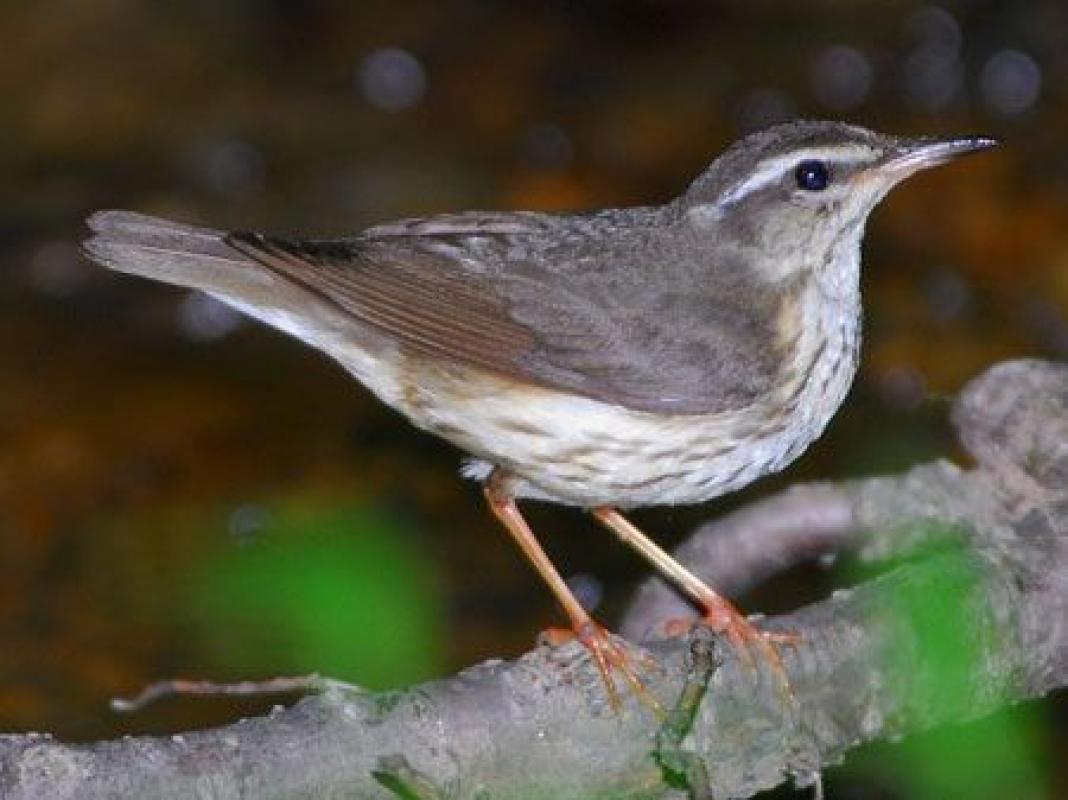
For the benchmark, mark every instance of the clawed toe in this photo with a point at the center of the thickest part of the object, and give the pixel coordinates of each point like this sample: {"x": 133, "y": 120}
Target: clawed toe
{"x": 747, "y": 638}
{"x": 611, "y": 655}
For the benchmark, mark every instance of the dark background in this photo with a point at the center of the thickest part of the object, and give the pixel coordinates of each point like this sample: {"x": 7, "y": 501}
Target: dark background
{"x": 186, "y": 493}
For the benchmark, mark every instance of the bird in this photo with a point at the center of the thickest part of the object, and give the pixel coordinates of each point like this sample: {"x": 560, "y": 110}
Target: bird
{"x": 607, "y": 360}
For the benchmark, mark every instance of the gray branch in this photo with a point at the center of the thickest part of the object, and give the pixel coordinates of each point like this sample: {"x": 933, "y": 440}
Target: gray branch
{"x": 986, "y": 545}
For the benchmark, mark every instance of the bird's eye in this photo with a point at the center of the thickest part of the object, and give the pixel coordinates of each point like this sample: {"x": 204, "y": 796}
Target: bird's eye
{"x": 812, "y": 176}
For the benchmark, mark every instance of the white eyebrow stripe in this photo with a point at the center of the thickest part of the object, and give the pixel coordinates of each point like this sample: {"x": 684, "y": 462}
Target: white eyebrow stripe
{"x": 771, "y": 169}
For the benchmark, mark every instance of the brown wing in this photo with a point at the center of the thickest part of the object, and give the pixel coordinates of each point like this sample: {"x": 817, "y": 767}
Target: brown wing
{"x": 578, "y": 332}
{"x": 419, "y": 301}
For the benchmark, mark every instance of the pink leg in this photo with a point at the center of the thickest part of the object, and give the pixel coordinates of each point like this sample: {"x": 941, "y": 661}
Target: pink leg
{"x": 606, "y": 652}
{"x": 719, "y": 613}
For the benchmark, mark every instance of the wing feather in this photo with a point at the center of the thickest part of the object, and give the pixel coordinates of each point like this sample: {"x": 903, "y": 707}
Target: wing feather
{"x": 419, "y": 301}
{"x": 525, "y": 320}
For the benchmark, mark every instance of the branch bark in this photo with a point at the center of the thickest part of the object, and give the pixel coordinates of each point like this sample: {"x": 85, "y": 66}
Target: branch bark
{"x": 991, "y": 539}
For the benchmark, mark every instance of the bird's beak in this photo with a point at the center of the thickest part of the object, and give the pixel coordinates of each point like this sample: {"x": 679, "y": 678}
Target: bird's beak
{"x": 912, "y": 155}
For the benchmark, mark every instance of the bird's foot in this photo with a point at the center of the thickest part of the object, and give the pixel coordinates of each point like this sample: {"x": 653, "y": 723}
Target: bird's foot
{"x": 746, "y": 639}
{"x": 611, "y": 654}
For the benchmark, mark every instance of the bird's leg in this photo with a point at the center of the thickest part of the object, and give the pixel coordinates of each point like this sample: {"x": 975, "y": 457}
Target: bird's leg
{"x": 719, "y": 613}
{"x": 606, "y": 652}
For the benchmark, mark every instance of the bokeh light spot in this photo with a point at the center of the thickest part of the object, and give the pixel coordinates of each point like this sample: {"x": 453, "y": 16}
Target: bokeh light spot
{"x": 933, "y": 76}
{"x": 935, "y": 25}
{"x": 391, "y": 79}
{"x": 902, "y": 387}
{"x": 587, "y": 588}
{"x": 1010, "y": 82}
{"x": 205, "y": 319}
{"x": 841, "y": 77}
{"x": 228, "y": 167}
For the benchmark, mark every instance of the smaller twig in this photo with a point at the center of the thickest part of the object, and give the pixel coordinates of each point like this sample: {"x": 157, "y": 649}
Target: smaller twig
{"x": 308, "y": 684}
{"x": 679, "y": 765}
{"x": 396, "y": 774}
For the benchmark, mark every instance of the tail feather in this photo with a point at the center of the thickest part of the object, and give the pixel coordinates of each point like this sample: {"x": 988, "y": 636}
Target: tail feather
{"x": 198, "y": 258}
{"x": 201, "y": 258}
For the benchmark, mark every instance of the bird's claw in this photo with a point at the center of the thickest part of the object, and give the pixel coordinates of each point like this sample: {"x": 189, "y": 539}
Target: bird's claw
{"x": 610, "y": 654}
{"x": 746, "y": 639}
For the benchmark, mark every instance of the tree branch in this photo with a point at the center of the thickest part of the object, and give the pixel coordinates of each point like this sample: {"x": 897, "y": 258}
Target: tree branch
{"x": 993, "y": 540}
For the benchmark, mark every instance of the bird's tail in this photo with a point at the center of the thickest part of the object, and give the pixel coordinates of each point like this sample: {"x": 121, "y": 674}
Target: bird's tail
{"x": 202, "y": 258}
{"x": 198, "y": 258}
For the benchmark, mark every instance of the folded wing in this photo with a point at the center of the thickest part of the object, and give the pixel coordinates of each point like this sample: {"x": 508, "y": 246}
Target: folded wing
{"x": 675, "y": 352}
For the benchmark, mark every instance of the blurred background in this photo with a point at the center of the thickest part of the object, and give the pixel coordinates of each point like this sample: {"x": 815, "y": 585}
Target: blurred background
{"x": 187, "y": 493}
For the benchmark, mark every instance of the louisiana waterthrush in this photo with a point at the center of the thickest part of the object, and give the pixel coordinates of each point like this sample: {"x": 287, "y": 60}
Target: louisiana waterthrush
{"x": 626, "y": 357}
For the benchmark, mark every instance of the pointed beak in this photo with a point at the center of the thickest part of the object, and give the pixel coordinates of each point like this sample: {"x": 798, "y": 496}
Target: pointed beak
{"x": 912, "y": 155}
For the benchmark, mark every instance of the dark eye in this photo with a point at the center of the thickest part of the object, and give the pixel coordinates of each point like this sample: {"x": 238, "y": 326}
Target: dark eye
{"x": 812, "y": 176}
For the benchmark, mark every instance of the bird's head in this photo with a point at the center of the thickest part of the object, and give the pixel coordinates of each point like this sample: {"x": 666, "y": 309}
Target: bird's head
{"x": 797, "y": 193}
